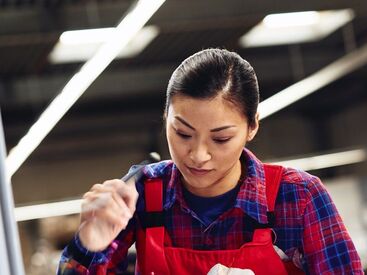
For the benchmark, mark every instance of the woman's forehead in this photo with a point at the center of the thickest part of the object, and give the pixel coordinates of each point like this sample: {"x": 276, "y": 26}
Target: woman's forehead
{"x": 214, "y": 111}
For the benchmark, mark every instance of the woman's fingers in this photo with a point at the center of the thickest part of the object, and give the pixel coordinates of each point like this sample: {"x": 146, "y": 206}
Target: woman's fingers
{"x": 109, "y": 200}
{"x": 106, "y": 210}
{"x": 127, "y": 192}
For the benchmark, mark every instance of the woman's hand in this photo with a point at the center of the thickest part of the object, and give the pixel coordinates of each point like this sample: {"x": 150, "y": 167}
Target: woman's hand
{"x": 220, "y": 269}
{"x": 106, "y": 210}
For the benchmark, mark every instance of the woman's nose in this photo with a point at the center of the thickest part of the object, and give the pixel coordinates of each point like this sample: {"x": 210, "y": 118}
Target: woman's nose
{"x": 200, "y": 155}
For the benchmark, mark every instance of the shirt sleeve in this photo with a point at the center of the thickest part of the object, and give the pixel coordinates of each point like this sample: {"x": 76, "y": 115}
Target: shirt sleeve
{"x": 328, "y": 248}
{"x": 77, "y": 260}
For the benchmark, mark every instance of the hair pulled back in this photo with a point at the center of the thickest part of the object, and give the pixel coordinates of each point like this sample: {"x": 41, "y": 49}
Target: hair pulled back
{"x": 212, "y": 72}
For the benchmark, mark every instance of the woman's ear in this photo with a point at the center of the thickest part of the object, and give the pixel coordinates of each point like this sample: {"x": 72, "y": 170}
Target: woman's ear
{"x": 252, "y": 131}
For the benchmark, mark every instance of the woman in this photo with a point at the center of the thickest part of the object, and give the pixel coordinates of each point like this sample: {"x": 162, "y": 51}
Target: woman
{"x": 214, "y": 202}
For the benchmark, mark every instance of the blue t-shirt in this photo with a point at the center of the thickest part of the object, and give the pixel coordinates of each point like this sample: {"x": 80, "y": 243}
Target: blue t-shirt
{"x": 210, "y": 208}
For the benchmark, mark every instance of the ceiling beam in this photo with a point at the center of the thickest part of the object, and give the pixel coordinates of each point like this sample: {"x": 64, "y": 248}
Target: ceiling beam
{"x": 71, "y": 15}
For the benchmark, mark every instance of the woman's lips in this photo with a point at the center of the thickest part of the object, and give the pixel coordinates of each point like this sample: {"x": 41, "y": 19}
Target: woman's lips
{"x": 198, "y": 172}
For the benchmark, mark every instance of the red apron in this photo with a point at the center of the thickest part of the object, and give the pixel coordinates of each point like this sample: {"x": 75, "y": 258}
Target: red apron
{"x": 258, "y": 255}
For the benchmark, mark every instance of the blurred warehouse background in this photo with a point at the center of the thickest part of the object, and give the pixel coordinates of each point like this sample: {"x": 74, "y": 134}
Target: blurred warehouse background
{"x": 118, "y": 120}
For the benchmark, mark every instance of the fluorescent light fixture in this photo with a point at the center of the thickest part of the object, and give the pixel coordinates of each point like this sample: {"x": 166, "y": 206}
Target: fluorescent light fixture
{"x": 130, "y": 25}
{"x": 296, "y": 27}
{"x": 326, "y": 160}
{"x": 89, "y": 36}
{"x": 81, "y": 45}
{"x": 285, "y": 20}
{"x": 314, "y": 82}
{"x": 46, "y": 210}
{"x": 39, "y": 211}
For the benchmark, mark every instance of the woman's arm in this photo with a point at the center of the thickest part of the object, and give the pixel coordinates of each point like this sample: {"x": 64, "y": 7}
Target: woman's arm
{"x": 77, "y": 260}
{"x": 327, "y": 245}
{"x": 106, "y": 231}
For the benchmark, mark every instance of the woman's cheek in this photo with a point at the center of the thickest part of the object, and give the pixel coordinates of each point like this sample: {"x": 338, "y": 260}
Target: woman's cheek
{"x": 178, "y": 146}
{"x": 229, "y": 153}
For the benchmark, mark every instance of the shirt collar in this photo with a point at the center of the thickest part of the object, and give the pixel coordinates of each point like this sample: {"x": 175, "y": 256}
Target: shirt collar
{"x": 251, "y": 198}
{"x": 252, "y": 195}
{"x": 170, "y": 175}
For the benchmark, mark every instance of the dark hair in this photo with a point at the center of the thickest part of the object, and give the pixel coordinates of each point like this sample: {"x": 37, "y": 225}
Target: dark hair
{"x": 211, "y": 72}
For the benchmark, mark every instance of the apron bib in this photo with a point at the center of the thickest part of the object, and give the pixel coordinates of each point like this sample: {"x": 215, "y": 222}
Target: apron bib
{"x": 258, "y": 255}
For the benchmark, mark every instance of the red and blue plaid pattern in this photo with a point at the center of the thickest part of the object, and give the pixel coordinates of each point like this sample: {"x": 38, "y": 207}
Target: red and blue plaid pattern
{"x": 307, "y": 224}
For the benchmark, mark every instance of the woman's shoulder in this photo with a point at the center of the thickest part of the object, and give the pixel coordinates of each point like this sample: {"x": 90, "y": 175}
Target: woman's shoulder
{"x": 293, "y": 177}
{"x": 298, "y": 188}
{"x": 159, "y": 169}
{"x": 297, "y": 176}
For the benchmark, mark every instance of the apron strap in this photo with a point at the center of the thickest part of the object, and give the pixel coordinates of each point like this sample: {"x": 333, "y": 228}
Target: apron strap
{"x": 273, "y": 176}
{"x": 154, "y": 260}
{"x": 153, "y": 195}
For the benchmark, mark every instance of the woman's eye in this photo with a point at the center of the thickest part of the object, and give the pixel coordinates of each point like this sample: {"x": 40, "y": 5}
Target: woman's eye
{"x": 221, "y": 140}
{"x": 184, "y": 136}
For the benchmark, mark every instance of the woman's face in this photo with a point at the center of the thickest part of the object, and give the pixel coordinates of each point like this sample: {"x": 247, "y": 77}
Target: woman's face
{"x": 206, "y": 138}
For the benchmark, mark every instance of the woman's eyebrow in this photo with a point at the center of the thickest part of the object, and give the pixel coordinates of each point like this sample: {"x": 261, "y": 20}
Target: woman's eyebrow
{"x": 222, "y": 128}
{"x": 184, "y": 122}
{"x": 212, "y": 130}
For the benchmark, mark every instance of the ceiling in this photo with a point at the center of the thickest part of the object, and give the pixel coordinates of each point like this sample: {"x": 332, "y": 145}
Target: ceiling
{"x": 121, "y": 111}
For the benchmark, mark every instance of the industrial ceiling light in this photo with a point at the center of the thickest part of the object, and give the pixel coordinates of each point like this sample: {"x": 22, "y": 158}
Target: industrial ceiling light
{"x": 332, "y": 72}
{"x": 81, "y": 45}
{"x": 46, "y": 210}
{"x": 130, "y": 25}
{"x": 326, "y": 160}
{"x": 291, "y": 19}
{"x": 296, "y": 27}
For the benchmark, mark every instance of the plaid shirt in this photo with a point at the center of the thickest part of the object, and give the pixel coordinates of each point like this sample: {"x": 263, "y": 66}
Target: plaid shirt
{"x": 308, "y": 227}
